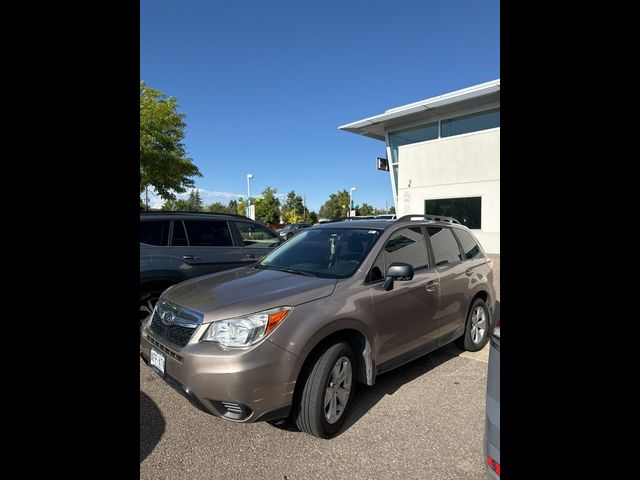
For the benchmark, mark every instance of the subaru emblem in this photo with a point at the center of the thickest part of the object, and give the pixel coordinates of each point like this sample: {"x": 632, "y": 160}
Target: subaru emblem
{"x": 167, "y": 317}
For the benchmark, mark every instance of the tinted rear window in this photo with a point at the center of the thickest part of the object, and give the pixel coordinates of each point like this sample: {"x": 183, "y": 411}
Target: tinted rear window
{"x": 445, "y": 247}
{"x": 179, "y": 238}
{"x": 154, "y": 232}
{"x": 254, "y": 235}
{"x": 470, "y": 247}
{"x": 208, "y": 233}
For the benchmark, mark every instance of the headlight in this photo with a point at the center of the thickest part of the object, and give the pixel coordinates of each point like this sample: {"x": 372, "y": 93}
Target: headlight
{"x": 245, "y": 330}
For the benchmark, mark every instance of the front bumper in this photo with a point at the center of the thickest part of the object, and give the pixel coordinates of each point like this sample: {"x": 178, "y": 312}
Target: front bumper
{"x": 258, "y": 380}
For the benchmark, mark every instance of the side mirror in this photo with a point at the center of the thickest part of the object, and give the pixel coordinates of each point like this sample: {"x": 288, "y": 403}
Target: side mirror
{"x": 397, "y": 271}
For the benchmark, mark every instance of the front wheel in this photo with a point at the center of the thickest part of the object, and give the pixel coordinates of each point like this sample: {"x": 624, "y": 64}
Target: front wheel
{"x": 148, "y": 299}
{"x": 328, "y": 392}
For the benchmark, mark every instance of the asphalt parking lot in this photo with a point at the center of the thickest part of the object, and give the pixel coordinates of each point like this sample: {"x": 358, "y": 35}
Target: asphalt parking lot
{"x": 424, "y": 420}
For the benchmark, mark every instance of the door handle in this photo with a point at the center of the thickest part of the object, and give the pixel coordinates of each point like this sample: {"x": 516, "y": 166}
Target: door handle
{"x": 190, "y": 257}
{"x": 432, "y": 285}
{"x": 251, "y": 255}
{"x": 468, "y": 272}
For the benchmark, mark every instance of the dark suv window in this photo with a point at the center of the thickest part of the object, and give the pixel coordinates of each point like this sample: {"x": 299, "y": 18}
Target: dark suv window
{"x": 179, "y": 237}
{"x": 445, "y": 247}
{"x": 208, "y": 233}
{"x": 406, "y": 245}
{"x": 154, "y": 232}
{"x": 469, "y": 246}
{"x": 254, "y": 235}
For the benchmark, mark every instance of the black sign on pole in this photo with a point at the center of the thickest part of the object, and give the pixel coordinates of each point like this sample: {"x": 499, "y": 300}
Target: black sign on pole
{"x": 382, "y": 164}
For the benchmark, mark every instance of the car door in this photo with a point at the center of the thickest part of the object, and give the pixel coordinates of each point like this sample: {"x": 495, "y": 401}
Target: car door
{"x": 405, "y": 317}
{"x": 210, "y": 246}
{"x": 154, "y": 241}
{"x": 453, "y": 282}
{"x": 257, "y": 240}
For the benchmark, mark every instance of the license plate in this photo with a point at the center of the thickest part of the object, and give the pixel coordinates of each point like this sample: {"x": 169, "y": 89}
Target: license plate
{"x": 157, "y": 361}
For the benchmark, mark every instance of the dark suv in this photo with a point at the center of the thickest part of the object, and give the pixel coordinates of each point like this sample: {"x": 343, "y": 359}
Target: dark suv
{"x": 339, "y": 303}
{"x": 176, "y": 246}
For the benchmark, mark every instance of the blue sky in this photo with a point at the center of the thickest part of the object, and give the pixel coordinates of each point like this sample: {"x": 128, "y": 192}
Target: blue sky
{"x": 265, "y": 84}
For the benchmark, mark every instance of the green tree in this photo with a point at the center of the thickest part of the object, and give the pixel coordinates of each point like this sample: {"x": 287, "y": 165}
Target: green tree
{"x": 313, "y": 217}
{"x": 293, "y": 210}
{"x": 170, "y": 205}
{"x": 268, "y": 207}
{"x": 233, "y": 206}
{"x": 194, "y": 202}
{"x": 365, "y": 210}
{"x": 337, "y": 205}
{"x": 241, "y": 204}
{"x": 164, "y": 165}
{"x": 218, "y": 207}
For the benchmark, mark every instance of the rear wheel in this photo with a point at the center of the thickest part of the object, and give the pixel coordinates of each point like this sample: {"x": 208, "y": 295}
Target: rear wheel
{"x": 328, "y": 392}
{"x": 476, "y": 332}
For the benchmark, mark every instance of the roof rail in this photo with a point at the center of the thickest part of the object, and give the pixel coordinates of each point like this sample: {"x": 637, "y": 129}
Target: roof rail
{"x": 177, "y": 212}
{"x": 435, "y": 218}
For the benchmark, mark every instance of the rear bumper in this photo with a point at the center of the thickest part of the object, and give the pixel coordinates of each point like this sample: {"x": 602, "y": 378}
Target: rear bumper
{"x": 248, "y": 385}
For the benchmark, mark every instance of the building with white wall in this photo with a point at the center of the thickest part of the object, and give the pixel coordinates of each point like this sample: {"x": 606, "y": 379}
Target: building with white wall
{"x": 444, "y": 157}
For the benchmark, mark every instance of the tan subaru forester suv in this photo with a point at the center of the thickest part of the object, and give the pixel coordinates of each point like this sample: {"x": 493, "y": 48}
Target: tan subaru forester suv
{"x": 291, "y": 336}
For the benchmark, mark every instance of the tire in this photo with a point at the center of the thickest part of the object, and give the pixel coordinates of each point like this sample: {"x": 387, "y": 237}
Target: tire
{"x": 475, "y": 336}
{"x": 289, "y": 235}
{"x": 148, "y": 299}
{"x": 311, "y": 416}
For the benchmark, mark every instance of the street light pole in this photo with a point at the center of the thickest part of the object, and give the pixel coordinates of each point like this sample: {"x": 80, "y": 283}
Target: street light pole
{"x": 249, "y": 177}
{"x": 351, "y": 190}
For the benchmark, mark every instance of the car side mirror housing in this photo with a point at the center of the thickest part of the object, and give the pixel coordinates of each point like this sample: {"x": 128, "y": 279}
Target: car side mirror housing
{"x": 397, "y": 271}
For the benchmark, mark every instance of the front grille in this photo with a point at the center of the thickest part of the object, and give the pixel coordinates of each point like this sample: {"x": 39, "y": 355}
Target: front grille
{"x": 172, "y": 333}
{"x": 182, "y": 326}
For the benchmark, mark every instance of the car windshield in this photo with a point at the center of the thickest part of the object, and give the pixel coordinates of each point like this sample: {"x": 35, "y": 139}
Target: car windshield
{"x": 323, "y": 252}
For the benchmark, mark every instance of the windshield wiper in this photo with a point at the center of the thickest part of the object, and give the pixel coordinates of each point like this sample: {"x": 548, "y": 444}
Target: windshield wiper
{"x": 286, "y": 269}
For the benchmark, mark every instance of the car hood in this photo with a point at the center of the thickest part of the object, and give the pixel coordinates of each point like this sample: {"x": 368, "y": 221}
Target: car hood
{"x": 247, "y": 290}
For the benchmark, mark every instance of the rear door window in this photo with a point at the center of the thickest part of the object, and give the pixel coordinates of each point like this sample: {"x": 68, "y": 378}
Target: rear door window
{"x": 444, "y": 245}
{"x": 470, "y": 247}
{"x": 179, "y": 237}
{"x": 208, "y": 233}
{"x": 154, "y": 232}
{"x": 256, "y": 236}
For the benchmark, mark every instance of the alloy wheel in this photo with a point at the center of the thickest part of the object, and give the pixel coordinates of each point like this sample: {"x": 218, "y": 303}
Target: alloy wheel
{"x": 338, "y": 390}
{"x": 478, "y": 325}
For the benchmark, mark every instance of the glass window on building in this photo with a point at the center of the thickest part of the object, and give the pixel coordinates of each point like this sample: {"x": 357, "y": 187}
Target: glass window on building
{"x": 414, "y": 135}
{"x": 470, "y": 123}
{"x": 468, "y": 210}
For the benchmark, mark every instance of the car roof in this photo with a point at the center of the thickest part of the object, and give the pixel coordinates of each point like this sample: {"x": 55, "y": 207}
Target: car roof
{"x": 382, "y": 224}
{"x": 207, "y": 215}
